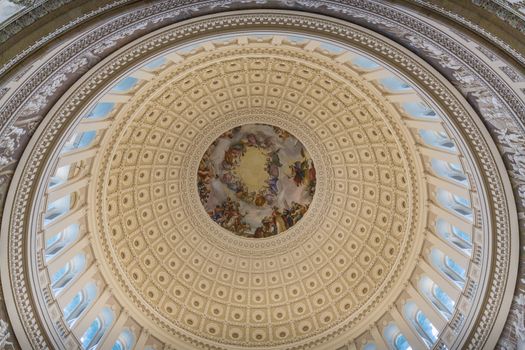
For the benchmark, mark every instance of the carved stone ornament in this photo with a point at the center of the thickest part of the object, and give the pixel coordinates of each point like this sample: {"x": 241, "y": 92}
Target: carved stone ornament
{"x": 498, "y": 219}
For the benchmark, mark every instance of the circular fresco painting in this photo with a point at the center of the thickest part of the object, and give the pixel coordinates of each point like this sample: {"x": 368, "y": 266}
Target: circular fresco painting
{"x": 256, "y": 180}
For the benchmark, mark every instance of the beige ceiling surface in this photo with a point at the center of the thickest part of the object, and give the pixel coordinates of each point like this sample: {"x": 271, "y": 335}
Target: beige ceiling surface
{"x": 332, "y": 269}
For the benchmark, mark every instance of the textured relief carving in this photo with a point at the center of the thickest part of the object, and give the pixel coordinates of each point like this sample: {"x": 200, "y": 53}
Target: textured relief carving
{"x": 4, "y": 336}
{"x": 247, "y": 299}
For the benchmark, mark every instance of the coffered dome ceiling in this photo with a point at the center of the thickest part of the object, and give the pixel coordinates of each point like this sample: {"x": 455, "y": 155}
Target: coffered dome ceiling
{"x": 332, "y": 268}
{"x": 265, "y": 187}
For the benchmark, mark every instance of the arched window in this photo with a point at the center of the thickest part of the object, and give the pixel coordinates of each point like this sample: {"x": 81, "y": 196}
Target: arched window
{"x": 450, "y": 171}
{"x": 56, "y": 243}
{"x": 395, "y": 339}
{"x": 59, "y": 207}
{"x": 80, "y": 303}
{"x": 449, "y": 267}
{"x": 459, "y": 238}
{"x": 401, "y": 343}
{"x": 97, "y": 329}
{"x": 421, "y": 324}
{"x": 101, "y": 110}
{"x": 395, "y": 84}
{"x": 68, "y": 272}
{"x": 125, "y": 85}
{"x": 364, "y": 63}
{"x": 156, "y": 64}
{"x": 437, "y": 297}
{"x": 79, "y": 141}
{"x": 61, "y": 176}
{"x": 438, "y": 139}
{"x": 455, "y": 203}
{"x": 419, "y": 110}
{"x": 125, "y": 341}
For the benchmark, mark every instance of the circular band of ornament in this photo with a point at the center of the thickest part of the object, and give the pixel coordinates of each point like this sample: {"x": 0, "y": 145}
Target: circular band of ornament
{"x": 50, "y": 129}
{"x": 310, "y": 223}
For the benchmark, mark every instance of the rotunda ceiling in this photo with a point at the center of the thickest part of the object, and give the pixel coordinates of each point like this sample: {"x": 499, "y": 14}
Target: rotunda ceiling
{"x": 260, "y": 189}
{"x": 258, "y": 103}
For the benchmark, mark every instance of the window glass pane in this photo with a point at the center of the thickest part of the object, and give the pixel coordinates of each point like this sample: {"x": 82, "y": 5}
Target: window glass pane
{"x": 56, "y": 243}
{"x": 395, "y": 84}
{"x": 77, "y": 299}
{"x": 60, "y": 273}
{"x": 125, "y": 84}
{"x": 363, "y": 62}
{"x": 156, "y": 63}
{"x": 447, "y": 170}
{"x": 57, "y": 208}
{"x": 427, "y": 327}
{"x": 443, "y": 298}
{"x": 331, "y": 48}
{"x": 455, "y": 267}
{"x": 437, "y": 139}
{"x": 61, "y": 176}
{"x": 53, "y": 239}
{"x": 90, "y": 333}
{"x": 100, "y": 110}
{"x": 118, "y": 346}
{"x": 419, "y": 110}
{"x": 461, "y": 234}
{"x": 86, "y": 139}
{"x": 401, "y": 343}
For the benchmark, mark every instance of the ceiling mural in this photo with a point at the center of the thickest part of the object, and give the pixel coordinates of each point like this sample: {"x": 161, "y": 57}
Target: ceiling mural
{"x": 256, "y": 180}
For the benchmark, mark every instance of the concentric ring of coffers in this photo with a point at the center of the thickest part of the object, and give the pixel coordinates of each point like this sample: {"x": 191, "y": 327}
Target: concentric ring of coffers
{"x": 236, "y": 299}
{"x": 326, "y": 280}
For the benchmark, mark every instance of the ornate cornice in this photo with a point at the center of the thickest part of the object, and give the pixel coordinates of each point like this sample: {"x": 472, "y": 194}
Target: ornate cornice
{"x": 477, "y": 66}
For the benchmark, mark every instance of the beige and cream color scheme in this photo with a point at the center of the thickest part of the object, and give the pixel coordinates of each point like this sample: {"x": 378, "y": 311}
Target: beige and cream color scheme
{"x": 333, "y": 268}
{"x": 407, "y": 233}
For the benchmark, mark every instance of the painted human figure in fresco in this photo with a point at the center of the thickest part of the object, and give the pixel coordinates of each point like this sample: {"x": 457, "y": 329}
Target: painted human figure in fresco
{"x": 299, "y": 171}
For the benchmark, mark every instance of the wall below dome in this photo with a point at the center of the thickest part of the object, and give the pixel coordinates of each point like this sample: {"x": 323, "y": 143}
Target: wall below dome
{"x": 501, "y": 108}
